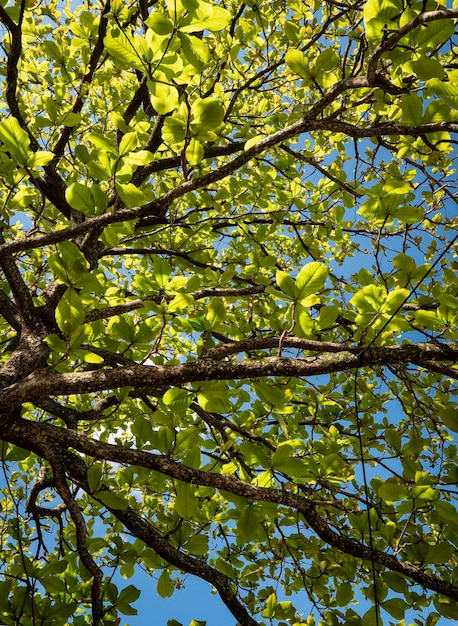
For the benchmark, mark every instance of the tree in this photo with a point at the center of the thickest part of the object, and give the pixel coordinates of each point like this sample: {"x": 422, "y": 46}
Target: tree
{"x": 228, "y": 308}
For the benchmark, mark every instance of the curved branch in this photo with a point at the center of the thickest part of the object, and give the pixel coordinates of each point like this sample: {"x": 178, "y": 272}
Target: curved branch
{"x": 78, "y": 103}
{"x": 39, "y": 433}
{"x": 80, "y": 532}
{"x": 152, "y": 538}
{"x": 13, "y": 57}
{"x": 389, "y": 42}
{"x": 143, "y": 530}
{"x": 306, "y": 124}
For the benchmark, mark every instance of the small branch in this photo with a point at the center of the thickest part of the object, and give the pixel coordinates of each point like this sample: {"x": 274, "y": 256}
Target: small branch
{"x": 80, "y": 534}
{"x": 44, "y": 482}
{"x": 78, "y": 103}
{"x": 138, "y": 303}
{"x": 220, "y": 422}
{"x": 440, "y": 368}
{"x": 311, "y": 161}
{"x": 259, "y": 343}
{"x": 14, "y": 54}
{"x": 389, "y": 42}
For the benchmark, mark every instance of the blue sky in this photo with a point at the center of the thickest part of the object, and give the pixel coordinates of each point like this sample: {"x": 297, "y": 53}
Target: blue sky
{"x": 193, "y": 601}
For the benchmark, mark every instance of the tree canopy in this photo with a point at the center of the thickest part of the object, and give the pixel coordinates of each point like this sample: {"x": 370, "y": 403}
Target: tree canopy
{"x": 228, "y": 309}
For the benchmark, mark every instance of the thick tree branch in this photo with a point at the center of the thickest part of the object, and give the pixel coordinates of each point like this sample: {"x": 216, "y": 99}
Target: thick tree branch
{"x": 24, "y": 302}
{"x": 44, "y": 383}
{"x": 29, "y": 355}
{"x": 9, "y": 311}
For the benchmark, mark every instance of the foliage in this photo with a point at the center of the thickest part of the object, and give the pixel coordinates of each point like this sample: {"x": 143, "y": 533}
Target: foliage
{"x": 228, "y": 308}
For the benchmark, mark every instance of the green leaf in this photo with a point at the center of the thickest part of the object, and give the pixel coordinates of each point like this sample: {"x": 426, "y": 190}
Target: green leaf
{"x": 80, "y": 197}
{"x": 15, "y": 139}
{"x": 141, "y": 157}
{"x": 194, "y": 152}
{"x": 270, "y": 606}
{"x": 102, "y": 143}
{"x": 298, "y": 63}
{"x": 446, "y": 607}
{"x": 207, "y": 114}
{"x": 165, "y": 586}
{"x": 164, "y": 97}
{"x": 270, "y": 393}
{"x": 130, "y": 194}
{"x": 161, "y": 24}
{"x": 378, "y": 16}
{"x": 344, "y": 594}
{"x": 128, "y": 143}
{"x": 442, "y": 87}
{"x": 412, "y": 109}
{"x": 128, "y": 595}
{"x": 328, "y": 316}
{"x": 393, "y": 492}
{"x": 111, "y": 500}
{"x": 215, "y": 312}
{"x": 39, "y": 158}
{"x": 253, "y": 141}
{"x": 71, "y": 119}
{"x": 326, "y": 61}
{"x": 207, "y": 17}
{"x": 123, "y": 49}
{"x": 433, "y": 33}
{"x": 410, "y": 214}
{"x": 70, "y": 311}
{"x": 215, "y": 399}
{"x": 186, "y": 502}
{"x": 180, "y": 302}
{"x": 94, "y": 476}
{"x": 369, "y": 299}
{"x": 197, "y": 545}
{"x": 446, "y": 511}
{"x": 174, "y": 131}
{"x": 177, "y": 399}
{"x": 195, "y": 50}
{"x": 286, "y": 284}
{"x": 247, "y": 524}
{"x": 396, "y": 607}
{"x": 311, "y": 279}
{"x": 425, "y": 68}
{"x": 162, "y": 271}
{"x": 394, "y": 301}
{"x": 429, "y": 320}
